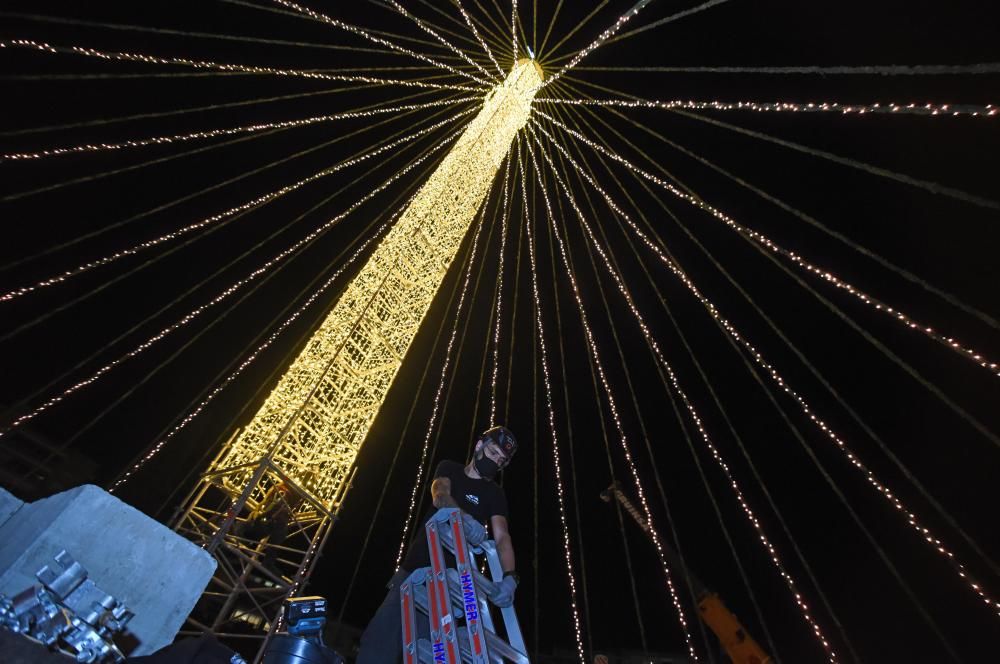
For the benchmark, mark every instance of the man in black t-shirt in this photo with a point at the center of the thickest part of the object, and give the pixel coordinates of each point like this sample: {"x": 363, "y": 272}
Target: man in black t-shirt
{"x": 472, "y": 489}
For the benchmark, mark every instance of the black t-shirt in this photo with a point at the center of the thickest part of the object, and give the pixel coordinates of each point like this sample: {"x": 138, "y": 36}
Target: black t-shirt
{"x": 479, "y": 498}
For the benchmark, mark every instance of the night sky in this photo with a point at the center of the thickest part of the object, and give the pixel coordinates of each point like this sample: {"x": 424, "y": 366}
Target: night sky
{"x": 894, "y": 600}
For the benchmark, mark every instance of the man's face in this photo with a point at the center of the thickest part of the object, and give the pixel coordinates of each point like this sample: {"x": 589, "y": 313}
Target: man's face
{"x": 493, "y": 452}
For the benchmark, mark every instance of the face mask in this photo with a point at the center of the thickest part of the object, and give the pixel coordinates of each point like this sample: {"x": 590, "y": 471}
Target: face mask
{"x": 486, "y": 467}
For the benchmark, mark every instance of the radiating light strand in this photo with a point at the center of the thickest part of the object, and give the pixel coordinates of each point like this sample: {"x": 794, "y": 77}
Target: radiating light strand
{"x": 499, "y": 298}
{"x": 551, "y": 414}
{"x": 479, "y": 38}
{"x": 323, "y": 18}
{"x": 433, "y": 33}
{"x": 911, "y": 108}
{"x": 228, "y": 131}
{"x": 762, "y": 240}
{"x": 595, "y": 355}
{"x": 604, "y": 36}
{"x": 232, "y": 288}
{"x": 806, "y": 408}
{"x": 695, "y": 418}
{"x": 261, "y": 200}
{"x": 220, "y": 66}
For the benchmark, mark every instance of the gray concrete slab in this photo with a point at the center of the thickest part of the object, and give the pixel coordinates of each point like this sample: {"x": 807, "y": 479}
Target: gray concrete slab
{"x": 158, "y": 574}
{"x": 9, "y": 503}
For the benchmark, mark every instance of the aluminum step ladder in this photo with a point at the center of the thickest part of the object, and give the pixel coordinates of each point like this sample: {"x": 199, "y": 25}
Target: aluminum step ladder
{"x": 454, "y": 602}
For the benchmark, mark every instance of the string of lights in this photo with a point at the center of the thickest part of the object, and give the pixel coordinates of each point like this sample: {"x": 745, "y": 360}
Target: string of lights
{"x": 499, "y": 307}
{"x": 551, "y": 414}
{"x": 604, "y": 36}
{"x": 772, "y": 551}
{"x": 225, "y": 67}
{"x": 513, "y": 29}
{"x": 479, "y": 38}
{"x": 432, "y": 420}
{"x": 863, "y": 70}
{"x": 323, "y": 18}
{"x": 232, "y": 288}
{"x": 248, "y": 205}
{"x": 987, "y": 110}
{"x": 877, "y": 304}
{"x": 806, "y": 408}
{"x": 228, "y": 131}
{"x": 595, "y": 356}
{"x": 429, "y": 30}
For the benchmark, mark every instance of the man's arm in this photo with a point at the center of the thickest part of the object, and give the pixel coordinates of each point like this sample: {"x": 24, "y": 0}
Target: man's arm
{"x": 505, "y": 548}
{"x": 441, "y": 493}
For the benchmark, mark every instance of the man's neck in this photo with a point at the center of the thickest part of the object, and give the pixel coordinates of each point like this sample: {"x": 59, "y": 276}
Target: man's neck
{"x": 470, "y": 471}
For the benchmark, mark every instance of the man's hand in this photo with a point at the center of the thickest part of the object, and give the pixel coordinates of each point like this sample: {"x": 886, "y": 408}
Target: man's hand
{"x": 504, "y": 594}
{"x": 475, "y": 532}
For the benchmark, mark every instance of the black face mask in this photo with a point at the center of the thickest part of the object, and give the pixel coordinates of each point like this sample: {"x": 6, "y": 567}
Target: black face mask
{"x": 485, "y": 466}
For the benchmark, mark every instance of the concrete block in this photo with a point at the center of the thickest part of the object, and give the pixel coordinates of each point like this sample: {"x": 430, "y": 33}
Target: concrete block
{"x": 157, "y": 573}
{"x": 9, "y": 504}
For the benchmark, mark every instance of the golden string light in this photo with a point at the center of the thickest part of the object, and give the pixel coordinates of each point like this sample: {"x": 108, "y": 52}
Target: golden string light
{"x": 220, "y": 66}
{"x": 552, "y": 418}
{"x": 496, "y": 331}
{"x": 911, "y": 518}
{"x": 981, "y": 110}
{"x": 323, "y": 18}
{"x": 155, "y": 449}
{"x": 604, "y": 36}
{"x": 433, "y": 33}
{"x": 228, "y": 131}
{"x": 908, "y": 321}
{"x": 595, "y": 355}
{"x": 232, "y": 288}
{"x": 475, "y": 32}
{"x": 654, "y": 346}
{"x": 261, "y": 200}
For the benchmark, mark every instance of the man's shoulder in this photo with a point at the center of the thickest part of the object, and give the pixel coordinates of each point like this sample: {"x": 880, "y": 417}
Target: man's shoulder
{"x": 448, "y": 468}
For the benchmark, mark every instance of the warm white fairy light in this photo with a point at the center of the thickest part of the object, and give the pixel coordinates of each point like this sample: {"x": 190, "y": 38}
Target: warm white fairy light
{"x": 232, "y": 288}
{"x": 261, "y": 200}
{"x": 155, "y": 449}
{"x": 433, "y": 33}
{"x": 603, "y": 37}
{"x": 482, "y": 42}
{"x": 911, "y": 518}
{"x": 595, "y": 355}
{"x": 552, "y": 417}
{"x": 691, "y": 411}
{"x": 323, "y": 18}
{"x": 429, "y": 429}
{"x": 496, "y": 331}
{"x": 513, "y": 28}
{"x": 981, "y": 110}
{"x": 760, "y": 239}
{"x": 222, "y": 66}
{"x": 229, "y": 131}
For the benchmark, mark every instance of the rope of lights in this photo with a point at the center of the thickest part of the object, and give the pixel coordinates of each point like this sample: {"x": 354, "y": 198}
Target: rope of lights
{"x": 985, "y": 110}
{"x": 875, "y": 303}
{"x": 228, "y": 131}
{"x": 323, "y": 18}
{"x": 592, "y": 346}
{"x": 260, "y": 200}
{"x": 479, "y": 38}
{"x": 499, "y": 298}
{"x": 447, "y": 44}
{"x": 220, "y": 297}
{"x": 551, "y": 416}
{"x": 603, "y": 37}
{"x": 870, "y": 477}
{"x": 228, "y": 67}
{"x": 772, "y": 551}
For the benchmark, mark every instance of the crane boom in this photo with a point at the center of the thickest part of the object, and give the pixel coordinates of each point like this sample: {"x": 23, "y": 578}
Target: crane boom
{"x": 738, "y": 644}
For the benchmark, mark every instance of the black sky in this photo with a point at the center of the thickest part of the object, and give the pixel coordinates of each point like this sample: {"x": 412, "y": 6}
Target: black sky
{"x": 950, "y": 243}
